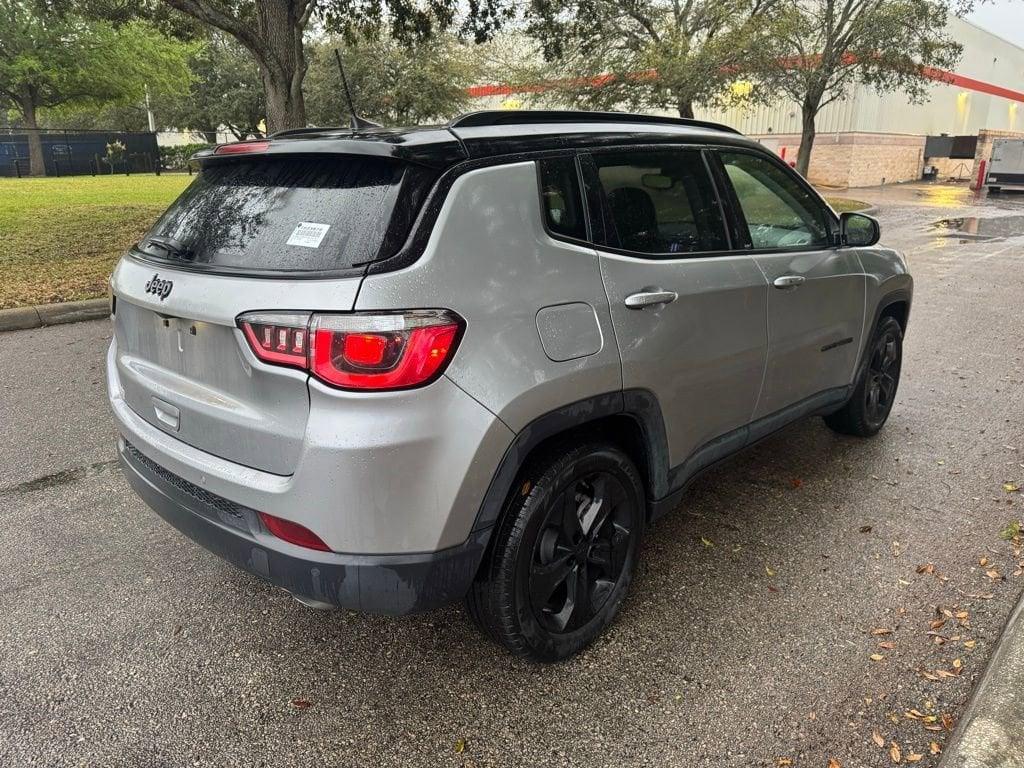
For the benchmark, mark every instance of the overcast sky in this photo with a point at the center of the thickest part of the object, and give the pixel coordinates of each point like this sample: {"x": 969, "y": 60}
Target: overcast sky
{"x": 1002, "y": 17}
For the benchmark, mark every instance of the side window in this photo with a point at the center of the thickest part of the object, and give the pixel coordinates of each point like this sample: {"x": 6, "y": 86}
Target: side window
{"x": 560, "y": 197}
{"x": 780, "y": 213}
{"x": 660, "y": 202}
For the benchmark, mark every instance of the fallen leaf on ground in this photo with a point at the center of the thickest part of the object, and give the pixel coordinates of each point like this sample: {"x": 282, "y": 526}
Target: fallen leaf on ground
{"x": 877, "y": 738}
{"x": 894, "y": 752}
{"x": 914, "y": 757}
{"x": 926, "y": 568}
{"x": 877, "y": 657}
{"x": 983, "y": 562}
{"x": 707, "y": 542}
{"x": 969, "y": 644}
{"x": 784, "y": 761}
{"x": 947, "y": 721}
{"x": 993, "y": 574}
{"x": 934, "y": 748}
{"x": 833, "y": 763}
{"x": 957, "y": 664}
{"x": 301, "y": 703}
{"x": 877, "y": 631}
{"x": 865, "y": 529}
{"x": 460, "y": 746}
{"x": 937, "y": 624}
{"x": 1011, "y": 488}
{"x": 768, "y": 570}
{"x": 887, "y": 646}
{"x": 796, "y": 482}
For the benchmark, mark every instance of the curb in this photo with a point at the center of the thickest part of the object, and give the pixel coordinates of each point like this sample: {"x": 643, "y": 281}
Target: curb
{"x": 987, "y": 735}
{"x": 23, "y": 318}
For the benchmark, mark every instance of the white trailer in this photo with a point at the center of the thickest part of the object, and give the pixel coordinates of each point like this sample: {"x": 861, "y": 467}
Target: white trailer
{"x": 1006, "y": 168}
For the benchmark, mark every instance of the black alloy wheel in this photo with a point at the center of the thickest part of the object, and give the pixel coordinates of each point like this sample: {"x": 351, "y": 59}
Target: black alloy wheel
{"x": 581, "y": 552}
{"x": 564, "y": 553}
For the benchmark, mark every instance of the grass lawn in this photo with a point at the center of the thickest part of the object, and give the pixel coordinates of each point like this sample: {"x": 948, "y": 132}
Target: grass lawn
{"x": 60, "y": 237}
{"x": 841, "y": 204}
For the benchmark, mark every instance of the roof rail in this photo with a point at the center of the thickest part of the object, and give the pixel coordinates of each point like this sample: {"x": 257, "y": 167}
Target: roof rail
{"x": 534, "y": 116}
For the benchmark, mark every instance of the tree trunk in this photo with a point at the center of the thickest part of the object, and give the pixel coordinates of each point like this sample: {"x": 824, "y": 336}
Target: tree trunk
{"x": 282, "y": 63}
{"x": 809, "y": 112}
{"x": 36, "y": 160}
{"x": 275, "y": 41}
{"x": 685, "y": 107}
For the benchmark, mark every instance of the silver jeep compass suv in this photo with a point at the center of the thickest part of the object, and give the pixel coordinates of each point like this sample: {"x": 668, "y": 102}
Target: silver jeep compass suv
{"x": 392, "y": 369}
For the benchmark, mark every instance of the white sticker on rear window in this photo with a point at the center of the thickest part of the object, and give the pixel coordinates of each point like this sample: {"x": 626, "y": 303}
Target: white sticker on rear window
{"x": 308, "y": 234}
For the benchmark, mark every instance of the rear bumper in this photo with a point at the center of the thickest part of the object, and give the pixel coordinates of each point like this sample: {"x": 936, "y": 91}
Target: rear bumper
{"x": 386, "y": 584}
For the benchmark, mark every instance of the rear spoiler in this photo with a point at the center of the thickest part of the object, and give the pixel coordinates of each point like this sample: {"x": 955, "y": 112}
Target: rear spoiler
{"x": 437, "y": 149}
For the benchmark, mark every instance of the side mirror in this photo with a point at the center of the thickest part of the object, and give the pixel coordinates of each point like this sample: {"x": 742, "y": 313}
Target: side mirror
{"x": 858, "y": 230}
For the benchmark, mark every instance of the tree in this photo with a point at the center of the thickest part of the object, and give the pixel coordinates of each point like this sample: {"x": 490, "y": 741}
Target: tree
{"x": 226, "y": 91}
{"x": 648, "y": 54}
{"x": 273, "y": 31}
{"x": 821, "y": 48}
{"x": 392, "y": 83}
{"x": 52, "y": 60}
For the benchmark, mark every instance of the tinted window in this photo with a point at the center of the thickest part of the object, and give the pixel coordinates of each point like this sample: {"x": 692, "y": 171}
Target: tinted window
{"x": 294, "y": 213}
{"x": 780, "y": 212}
{"x": 560, "y": 197}
{"x": 660, "y": 202}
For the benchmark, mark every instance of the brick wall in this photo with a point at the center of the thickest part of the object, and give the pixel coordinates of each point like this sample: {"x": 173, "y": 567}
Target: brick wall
{"x": 950, "y": 168}
{"x": 855, "y": 159}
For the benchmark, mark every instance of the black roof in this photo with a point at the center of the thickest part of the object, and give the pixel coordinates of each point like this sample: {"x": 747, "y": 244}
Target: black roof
{"x": 495, "y": 133}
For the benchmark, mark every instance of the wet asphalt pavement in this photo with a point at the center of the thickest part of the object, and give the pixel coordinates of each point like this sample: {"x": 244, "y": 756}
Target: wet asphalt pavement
{"x": 747, "y": 639}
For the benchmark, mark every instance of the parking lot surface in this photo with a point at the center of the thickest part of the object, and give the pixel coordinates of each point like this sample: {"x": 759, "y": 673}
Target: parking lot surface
{"x": 781, "y": 613}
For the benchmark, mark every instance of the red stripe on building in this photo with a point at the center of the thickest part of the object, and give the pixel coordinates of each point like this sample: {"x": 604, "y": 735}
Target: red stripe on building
{"x": 939, "y": 75}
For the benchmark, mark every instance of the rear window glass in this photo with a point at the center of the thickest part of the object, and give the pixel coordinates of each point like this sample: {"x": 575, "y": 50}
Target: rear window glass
{"x": 661, "y": 203}
{"x": 560, "y": 194}
{"x": 282, "y": 214}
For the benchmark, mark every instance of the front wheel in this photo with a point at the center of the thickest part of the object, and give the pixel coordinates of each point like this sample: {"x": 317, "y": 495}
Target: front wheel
{"x": 564, "y": 554}
{"x": 872, "y": 399}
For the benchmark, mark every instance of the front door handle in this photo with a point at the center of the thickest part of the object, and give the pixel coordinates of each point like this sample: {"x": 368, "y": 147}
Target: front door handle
{"x": 788, "y": 281}
{"x": 650, "y": 299}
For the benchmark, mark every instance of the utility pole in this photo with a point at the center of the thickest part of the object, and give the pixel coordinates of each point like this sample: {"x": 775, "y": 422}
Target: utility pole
{"x": 149, "y": 114}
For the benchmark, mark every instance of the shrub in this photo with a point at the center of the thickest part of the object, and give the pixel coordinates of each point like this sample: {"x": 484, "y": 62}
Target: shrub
{"x": 176, "y": 158}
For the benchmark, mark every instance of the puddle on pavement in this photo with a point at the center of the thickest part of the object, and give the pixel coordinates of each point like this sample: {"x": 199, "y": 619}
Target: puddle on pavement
{"x": 977, "y": 228}
{"x": 60, "y": 478}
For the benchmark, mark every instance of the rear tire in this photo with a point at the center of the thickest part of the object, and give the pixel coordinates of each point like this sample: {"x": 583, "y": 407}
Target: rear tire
{"x": 564, "y": 554}
{"x": 872, "y": 399}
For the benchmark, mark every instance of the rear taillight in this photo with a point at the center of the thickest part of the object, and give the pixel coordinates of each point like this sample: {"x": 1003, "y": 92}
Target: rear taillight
{"x": 359, "y": 350}
{"x": 278, "y": 337}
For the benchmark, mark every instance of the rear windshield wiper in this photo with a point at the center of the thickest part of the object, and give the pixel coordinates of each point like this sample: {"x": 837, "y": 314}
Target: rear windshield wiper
{"x": 170, "y": 246}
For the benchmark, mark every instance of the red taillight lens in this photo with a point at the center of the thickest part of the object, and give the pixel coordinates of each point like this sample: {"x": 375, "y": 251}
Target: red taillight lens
{"x": 358, "y": 350}
{"x": 382, "y": 351}
{"x": 278, "y": 337}
{"x": 242, "y": 147}
{"x": 293, "y": 533}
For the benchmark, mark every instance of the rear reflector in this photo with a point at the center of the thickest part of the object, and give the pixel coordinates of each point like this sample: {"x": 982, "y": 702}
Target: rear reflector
{"x": 293, "y": 533}
{"x": 242, "y": 147}
{"x": 360, "y": 351}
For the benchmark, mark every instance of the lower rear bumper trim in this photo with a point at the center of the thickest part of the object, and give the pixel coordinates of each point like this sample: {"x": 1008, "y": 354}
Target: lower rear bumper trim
{"x": 383, "y": 584}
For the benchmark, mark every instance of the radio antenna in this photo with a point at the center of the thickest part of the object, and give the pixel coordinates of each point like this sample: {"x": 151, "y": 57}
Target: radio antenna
{"x": 355, "y": 121}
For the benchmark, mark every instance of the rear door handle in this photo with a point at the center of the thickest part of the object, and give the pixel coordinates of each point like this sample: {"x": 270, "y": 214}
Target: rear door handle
{"x": 650, "y": 299}
{"x": 788, "y": 281}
